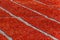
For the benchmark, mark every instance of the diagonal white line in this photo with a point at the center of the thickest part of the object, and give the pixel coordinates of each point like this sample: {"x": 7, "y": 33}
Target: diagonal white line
{"x": 26, "y": 23}
{"x": 36, "y": 12}
{"x": 51, "y": 6}
{"x": 3, "y": 33}
{"x": 41, "y": 2}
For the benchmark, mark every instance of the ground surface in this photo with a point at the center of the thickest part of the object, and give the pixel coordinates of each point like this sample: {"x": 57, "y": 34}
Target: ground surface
{"x": 29, "y": 20}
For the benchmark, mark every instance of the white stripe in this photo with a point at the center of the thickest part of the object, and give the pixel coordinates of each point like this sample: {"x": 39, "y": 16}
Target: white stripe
{"x": 26, "y": 23}
{"x": 37, "y": 12}
{"x": 41, "y": 2}
{"x": 4, "y": 34}
{"x": 51, "y": 6}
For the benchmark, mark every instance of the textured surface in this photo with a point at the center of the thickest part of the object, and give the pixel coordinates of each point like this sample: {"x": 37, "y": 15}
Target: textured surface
{"x": 2, "y": 37}
{"x": 29, "y": 20}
